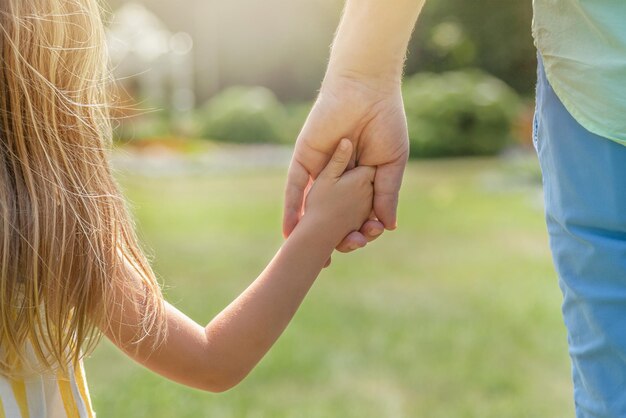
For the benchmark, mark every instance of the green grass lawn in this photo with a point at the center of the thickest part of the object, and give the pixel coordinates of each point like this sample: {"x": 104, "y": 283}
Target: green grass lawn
{"x": 455, "y": 314}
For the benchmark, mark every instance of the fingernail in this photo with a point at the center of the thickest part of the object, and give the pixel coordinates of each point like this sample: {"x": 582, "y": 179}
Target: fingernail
{"x": 357, "y": 245}
{"x": 376, "y": 232}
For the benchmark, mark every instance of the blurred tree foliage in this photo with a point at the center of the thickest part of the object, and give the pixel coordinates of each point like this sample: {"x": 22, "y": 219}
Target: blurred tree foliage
{"x": 458, "y": 113}
{"x": 283, "y": 45}
{"x": 493, "y": 35}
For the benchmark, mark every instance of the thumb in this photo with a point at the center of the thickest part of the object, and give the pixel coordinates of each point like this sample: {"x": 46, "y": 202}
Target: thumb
{"x": 339, "y": 161}
{"x": 367, "y": 171}
{"x": 297, "y": 181}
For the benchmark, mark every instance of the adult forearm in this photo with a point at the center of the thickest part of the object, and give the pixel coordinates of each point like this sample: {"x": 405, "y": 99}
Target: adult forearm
{"x": 372, "y": 38}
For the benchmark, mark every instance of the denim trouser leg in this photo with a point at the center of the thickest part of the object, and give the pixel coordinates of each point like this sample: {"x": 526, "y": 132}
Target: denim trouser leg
{"x": 584, "y": 178}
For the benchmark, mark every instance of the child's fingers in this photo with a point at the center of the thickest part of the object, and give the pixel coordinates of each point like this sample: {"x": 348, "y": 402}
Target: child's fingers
{"x": 365, "y": 171}
{"x": 339, "y": 161}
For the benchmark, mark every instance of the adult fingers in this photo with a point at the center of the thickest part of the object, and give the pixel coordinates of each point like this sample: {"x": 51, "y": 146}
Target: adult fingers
{"x": 386, "y": 190}
{"x": 297, "y": 181}
{"x": 370, "y": 230}
{"x": 353, "y": 241}
{"x": 339, "y": 161}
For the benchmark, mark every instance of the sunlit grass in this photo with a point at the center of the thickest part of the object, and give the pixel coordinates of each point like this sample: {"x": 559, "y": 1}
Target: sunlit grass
{"x": 455, "y": 314}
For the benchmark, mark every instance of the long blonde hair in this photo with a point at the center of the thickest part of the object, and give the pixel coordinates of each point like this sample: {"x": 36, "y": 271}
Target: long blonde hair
{"x": 65, "y": 232}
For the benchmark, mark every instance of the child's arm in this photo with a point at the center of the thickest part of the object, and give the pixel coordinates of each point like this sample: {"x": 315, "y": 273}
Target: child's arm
{"x": 219, "y": 356}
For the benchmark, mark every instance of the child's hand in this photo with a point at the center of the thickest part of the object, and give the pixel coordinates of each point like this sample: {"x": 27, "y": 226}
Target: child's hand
{"x": 339, "y": 203}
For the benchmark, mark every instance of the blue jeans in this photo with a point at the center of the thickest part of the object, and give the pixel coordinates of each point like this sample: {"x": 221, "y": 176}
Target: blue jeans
{"x": 584, "y": 180}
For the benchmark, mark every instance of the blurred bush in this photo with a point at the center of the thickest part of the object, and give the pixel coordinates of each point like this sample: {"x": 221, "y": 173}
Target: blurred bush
{"x": 244, "y": 115}
{"x": 251, "y": 115}
{"x": 459, "y": 113}
{"x": 296, "y": 116}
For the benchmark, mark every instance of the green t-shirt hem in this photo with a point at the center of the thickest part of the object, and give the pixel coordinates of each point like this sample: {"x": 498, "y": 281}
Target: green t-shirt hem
{"x": 573, "y": 110}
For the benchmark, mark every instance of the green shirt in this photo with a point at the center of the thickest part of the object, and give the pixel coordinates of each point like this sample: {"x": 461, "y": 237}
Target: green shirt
{"x": 583, "y": 47}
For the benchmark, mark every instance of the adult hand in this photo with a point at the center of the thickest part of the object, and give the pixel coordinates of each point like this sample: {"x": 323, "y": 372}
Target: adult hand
{"x": 370, "y": 113}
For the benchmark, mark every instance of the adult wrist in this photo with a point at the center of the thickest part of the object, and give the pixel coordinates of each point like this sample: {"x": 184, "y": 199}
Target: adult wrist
{"x": 381, "y": 80}
{"x": 360, "y": 64}
{"x": 349, "y": 85}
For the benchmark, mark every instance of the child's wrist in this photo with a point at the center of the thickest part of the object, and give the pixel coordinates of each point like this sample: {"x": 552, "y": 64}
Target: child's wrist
{"x": 319, "y": 231}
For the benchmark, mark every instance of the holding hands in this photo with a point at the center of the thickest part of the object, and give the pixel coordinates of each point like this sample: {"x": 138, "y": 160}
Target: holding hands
{"x": 339, "y": 202}
{"x": 360, "y": 100}
{"x": 342, "y": 191}
{"x": 372, "y": 116}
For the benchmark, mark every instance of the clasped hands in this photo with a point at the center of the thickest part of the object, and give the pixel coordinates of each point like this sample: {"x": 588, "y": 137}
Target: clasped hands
{"x": 372, "y": 117}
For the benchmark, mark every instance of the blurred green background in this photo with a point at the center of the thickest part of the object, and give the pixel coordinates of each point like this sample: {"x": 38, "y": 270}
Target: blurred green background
{"x": 247, "y": 71}
{"x": 455, "y": 314}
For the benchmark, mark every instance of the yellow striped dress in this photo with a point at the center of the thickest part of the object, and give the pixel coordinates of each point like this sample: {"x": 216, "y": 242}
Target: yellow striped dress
{"x": 46, "y": 396}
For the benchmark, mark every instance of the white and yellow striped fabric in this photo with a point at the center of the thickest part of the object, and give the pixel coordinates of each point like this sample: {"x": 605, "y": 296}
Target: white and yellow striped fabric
{"x": 46, "y": 396}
